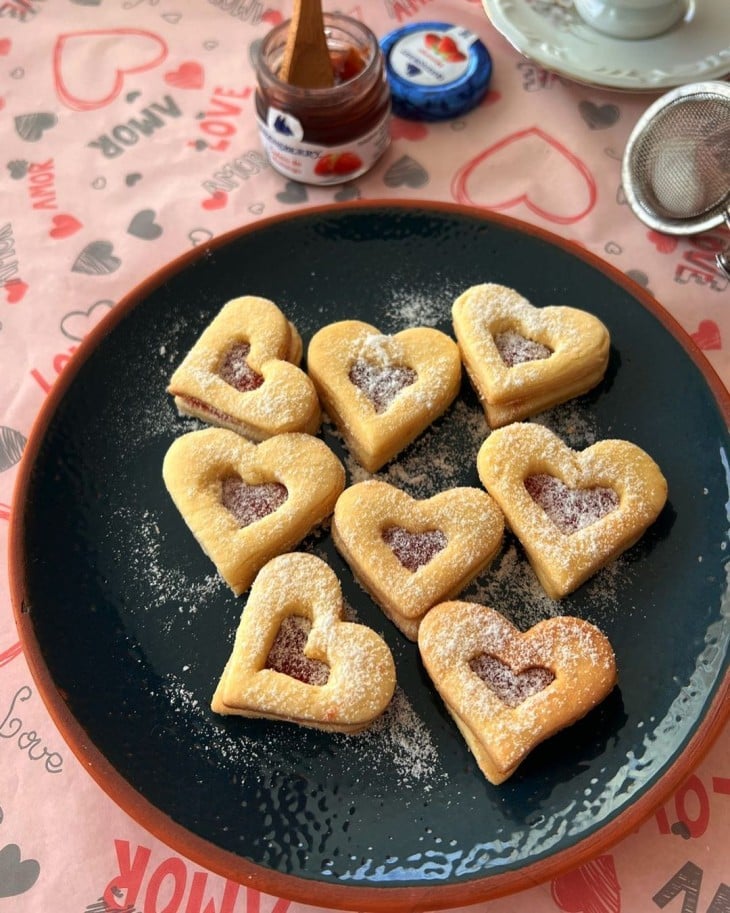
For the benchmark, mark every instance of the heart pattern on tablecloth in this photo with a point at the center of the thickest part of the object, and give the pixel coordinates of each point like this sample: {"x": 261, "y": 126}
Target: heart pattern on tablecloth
{"x": 64, "y": 225}
{"x": 31, "y": 127}
{"x": 111, "y": 55}
{"x": 552, "y": 182}
{"x": 599, "y": 117}
{"x": 707, "y": 336}
{"x": 189, "y": 75}
{"x": 97, "y": 259}
{"x": 143, "y": 225}
{"x": 75, "y": 325}
{"x": 589, "y": 888}
{"x": 17, "y": 875}
{"x": 406, "y": 172}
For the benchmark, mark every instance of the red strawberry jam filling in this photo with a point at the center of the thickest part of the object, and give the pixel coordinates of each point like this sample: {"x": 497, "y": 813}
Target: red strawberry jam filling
{"x": 287, "y": 653}
{"x": 512, "y": 688}
{"x": 515, "y": 349}
{"x": 249, "y": 503}
{"x": 570, "y": 509}
{"x": 381, "y": 383}
{"x": 413, "y": 550}
{"x": 236, "y": 371}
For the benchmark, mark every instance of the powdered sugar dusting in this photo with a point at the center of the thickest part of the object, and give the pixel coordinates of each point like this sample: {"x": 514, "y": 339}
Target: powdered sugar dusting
{"x": 381, "y": 383}
{"x": 140, "y": 553}
{"x": 512, "y": 688}
{"x": 570, "y": 509}
{"x": 516, "y": 349}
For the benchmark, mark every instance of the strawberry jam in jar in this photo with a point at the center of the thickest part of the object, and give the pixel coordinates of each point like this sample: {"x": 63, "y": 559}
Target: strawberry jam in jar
{"x": 329, "y": 135}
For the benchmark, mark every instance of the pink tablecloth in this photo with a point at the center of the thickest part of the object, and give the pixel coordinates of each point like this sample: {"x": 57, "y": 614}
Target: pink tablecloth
{"x": 128, "y": 136}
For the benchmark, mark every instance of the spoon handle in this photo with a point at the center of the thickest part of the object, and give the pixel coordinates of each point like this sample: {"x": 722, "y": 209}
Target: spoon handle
{"x": 306, "y": 60}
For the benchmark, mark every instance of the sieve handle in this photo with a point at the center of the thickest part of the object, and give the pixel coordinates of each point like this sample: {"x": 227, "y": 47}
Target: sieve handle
{"x": 723, "y": 258}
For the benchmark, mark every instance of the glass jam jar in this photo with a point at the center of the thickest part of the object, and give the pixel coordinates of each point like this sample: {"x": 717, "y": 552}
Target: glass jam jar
{"x": 325, "y": 136}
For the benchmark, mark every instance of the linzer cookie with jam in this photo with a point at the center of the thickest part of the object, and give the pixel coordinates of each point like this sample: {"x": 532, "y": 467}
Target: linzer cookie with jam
{"x": 523, "y": 359}
{"x": 295, "y": 659}
{"x": 508, "y": 691}
{"x": 243, "y": 373}
{"x": 382, "y": 391}
{"x": 245, "y": 502}
{"x": 410, "y": 554}
{"x": 573, "y": 511}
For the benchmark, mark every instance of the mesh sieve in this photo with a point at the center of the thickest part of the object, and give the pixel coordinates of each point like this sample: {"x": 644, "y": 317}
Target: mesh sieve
{"x": 676, "y": 165}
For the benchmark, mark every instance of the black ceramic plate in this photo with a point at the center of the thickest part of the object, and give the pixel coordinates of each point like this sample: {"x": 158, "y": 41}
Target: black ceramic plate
{"x": 127, "y": 627}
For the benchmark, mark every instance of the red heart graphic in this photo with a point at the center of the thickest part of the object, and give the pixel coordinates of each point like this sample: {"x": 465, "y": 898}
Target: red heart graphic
{"x": 5, "y": 45}
{"x": 217, "y": 201}
{"x": 707, "y": 335}
{"x": 407, "y": 129}
{"x": 274, "y": 17}
{"x": 560, "y": 187}
{"x": 189, "y": 75}
{"x": 98, "y": 61}
{"x": 591, "y": 888}
{"x": 64, "y": 225}
{"x": 665, "y": 244}
{"x": 8, "y": 655}
{"x": 15, "y": 289}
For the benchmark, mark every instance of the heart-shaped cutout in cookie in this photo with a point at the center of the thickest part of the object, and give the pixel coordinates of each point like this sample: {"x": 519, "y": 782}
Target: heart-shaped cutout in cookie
{"x": 414, "y": 550}
{"x": 382, "y": 391}
{"x": 288, "y": 652}
{"x": 410, "y": 554}
{"x": 570, "y": 509}
{"x": 249, "y": 503}
{"x": 523, "y": 359}
{"x": 328, "y": 673}
{"x": 245, "y": 502}
{"x": 508, "y": 691}
{"x": 242, "y": 373}
{"x": 573, "y": 511}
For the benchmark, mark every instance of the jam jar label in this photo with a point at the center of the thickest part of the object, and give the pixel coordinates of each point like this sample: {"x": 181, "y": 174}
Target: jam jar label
{"x": 289, "y": 153}
{"x": 432, "y": 56}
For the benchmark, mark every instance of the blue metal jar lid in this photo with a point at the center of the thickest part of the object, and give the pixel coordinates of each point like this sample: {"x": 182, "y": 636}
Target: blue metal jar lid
{"x": 436, "y": 70}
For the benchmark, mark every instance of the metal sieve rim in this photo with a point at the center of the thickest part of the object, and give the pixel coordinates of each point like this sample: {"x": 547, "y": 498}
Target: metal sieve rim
{"x": 686, "y": 226}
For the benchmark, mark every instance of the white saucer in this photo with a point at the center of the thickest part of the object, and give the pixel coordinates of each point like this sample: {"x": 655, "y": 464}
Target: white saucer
{"x": 551, "y": 33}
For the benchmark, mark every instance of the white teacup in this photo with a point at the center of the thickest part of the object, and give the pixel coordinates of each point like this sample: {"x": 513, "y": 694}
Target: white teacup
{"x": 632, "y": 18}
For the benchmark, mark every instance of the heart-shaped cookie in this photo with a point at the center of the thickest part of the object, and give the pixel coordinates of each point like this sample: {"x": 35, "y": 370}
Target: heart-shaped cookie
{"x": 508, "y": 691}
{"x": 242, "y": 373}
{"x": 572, "y": 511}
{"x": 342, "y": 679}
{"x": 382, "y": 391}
{"x": 246, "y": 503}
{"x": 522, "y": 359}
{"x": 410, "y": 554}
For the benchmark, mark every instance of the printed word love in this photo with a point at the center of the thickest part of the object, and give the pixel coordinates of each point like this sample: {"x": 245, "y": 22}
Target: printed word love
{"x": 698, "y": 264}
{"x": 60, "y": 360}
{"x": 404, "y": 9}
{"x": 217, "y": 121}
{"x": 41, "y": 185}
{"x": 150, "y": 119}
{"x": 28, "y": 740}
{"x": 174, "y": 882}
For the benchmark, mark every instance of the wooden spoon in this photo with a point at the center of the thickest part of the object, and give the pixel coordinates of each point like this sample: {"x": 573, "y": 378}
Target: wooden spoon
{"x": 306, "y": 60}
